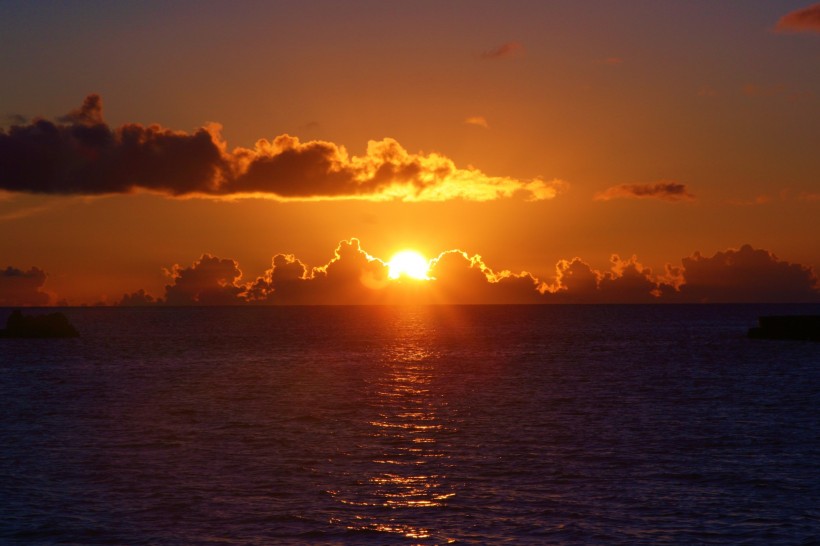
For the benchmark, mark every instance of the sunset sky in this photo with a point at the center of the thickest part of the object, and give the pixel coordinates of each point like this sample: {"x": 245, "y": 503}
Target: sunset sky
{"x": 586, "y": 151}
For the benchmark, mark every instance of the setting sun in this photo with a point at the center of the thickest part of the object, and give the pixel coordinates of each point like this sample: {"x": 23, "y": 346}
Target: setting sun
{"x": 408, "y": 263}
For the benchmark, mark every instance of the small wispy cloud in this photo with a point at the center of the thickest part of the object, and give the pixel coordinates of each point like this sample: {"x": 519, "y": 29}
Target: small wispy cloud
{"x": 664, "y": 191}
{"x": 758, "y": 90}
{"x": 478, "y": 121}
{"x": 508, "y": 49}
{"x": 756, "y": 201}
{"x": 776, "y": 91}
{"x": 801, "y": 20}
{"x": 611, "y": 61}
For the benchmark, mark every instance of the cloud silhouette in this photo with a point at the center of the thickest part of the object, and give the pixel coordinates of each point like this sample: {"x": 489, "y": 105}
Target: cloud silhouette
{"x": 665, "y": 191}
{"x": 459, "y": 278}
{"x": 630, "y": 282}
{"x": 505, "y": 50}
{"x": 354, "y": 277}
{"x": 746, "y": 275}
{"x": 208, "y": 281}
{"x": 575, "y": 281}
{"x": 351, "y": 277}
{"x": 627, "y": 281}
{"x": 22, "y": 288}
{"x": 81, "y": 155}
{"x": 284, "y": 283}
{"x": 140, "y": 298}
{"x": 801, "y": 20}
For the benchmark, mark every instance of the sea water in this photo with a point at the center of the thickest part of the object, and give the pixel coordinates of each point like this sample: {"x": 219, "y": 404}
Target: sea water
{"x": 411, "y": 425}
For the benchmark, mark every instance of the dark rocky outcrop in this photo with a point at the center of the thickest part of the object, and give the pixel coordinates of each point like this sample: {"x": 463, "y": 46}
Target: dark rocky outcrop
{"x": 50, "y": 325}
{"x": 799, "y": 327}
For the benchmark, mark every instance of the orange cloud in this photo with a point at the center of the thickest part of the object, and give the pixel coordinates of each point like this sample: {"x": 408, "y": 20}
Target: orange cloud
{"x": 22, "y": 288}
{"x": 665, "y": 191}
{"x": 508, "y": 49}
{"x": 82, "y": 155}
{"x": 353, "y": 277}
{"x": 479, "y": 121}
{"x": 802, "y": 20}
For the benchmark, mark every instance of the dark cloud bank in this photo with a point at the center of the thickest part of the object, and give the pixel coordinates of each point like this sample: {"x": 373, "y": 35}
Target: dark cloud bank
{"x": 353, "y": 277}
{"x": 79, "y": 154}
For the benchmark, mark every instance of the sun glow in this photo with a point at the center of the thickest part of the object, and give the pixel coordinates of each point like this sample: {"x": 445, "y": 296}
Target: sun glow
{"x": 408, "y": 263}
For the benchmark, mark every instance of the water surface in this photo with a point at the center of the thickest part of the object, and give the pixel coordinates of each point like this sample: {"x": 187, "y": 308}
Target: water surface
{"x": 403, "y": 425}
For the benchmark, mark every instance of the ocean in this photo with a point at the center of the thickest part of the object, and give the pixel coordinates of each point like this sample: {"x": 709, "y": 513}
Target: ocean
{"x": 411, "y": 425}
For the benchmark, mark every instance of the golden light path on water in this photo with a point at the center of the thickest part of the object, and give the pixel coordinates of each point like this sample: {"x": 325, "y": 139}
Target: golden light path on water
{"x": 405, "y": 470}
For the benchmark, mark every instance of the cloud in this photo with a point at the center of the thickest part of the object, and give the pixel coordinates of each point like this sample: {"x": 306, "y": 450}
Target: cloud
{"x": 351, "y": 277}
{"x": 612, "y": 61}
{"x": 460, "y": 278}
{"x": 757, "y": 90}
{"x": 478, "y": 121}
{"x": 505, "y": 50}
{"x": 283, "y": 283}
{"x": 354, "y": 277}
{"x": 746, "y": 275}
{"x": 802, "y": 20}
{"x": 81, "y": 155}
{"x": 208, "y": 281}
{"x": 140, "y": 298}
{"x": 22, "y": 288}
{"x": 90, "y": 113}
{"x": 756, "y": 201}
{"x": 14, "y": 119}
{"x": 627, "y": 281}
{"x": 575, "y": 281}
{"x": 665, "y": 191}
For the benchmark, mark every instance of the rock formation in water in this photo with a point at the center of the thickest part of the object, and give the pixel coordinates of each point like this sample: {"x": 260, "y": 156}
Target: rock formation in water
{"x": 51, "y": 325}
{"x": 798, "y": 327}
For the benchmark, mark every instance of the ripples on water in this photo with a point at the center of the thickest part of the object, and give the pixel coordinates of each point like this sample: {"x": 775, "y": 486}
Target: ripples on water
{"x": 427, "y": 425}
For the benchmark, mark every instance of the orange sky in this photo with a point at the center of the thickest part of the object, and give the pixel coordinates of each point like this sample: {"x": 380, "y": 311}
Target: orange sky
{"x": 137, "y": 138}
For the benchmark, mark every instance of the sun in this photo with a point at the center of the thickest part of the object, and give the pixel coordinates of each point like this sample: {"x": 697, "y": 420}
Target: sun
{"x": 408, "y": 263}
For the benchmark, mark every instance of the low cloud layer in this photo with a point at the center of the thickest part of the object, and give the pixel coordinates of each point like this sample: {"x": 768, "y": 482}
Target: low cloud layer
{"x": 20, "y": 288}
{"x": 746, "y": 275}
{"x": 802, "y": 20}
{"x": 353, "y": 277}
{"x": 665, "y": 191}
{"x": 79, "y": 154}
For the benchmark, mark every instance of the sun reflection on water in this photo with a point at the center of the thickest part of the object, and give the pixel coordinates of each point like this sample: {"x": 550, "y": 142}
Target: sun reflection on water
{"x": 406, "y": 472}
